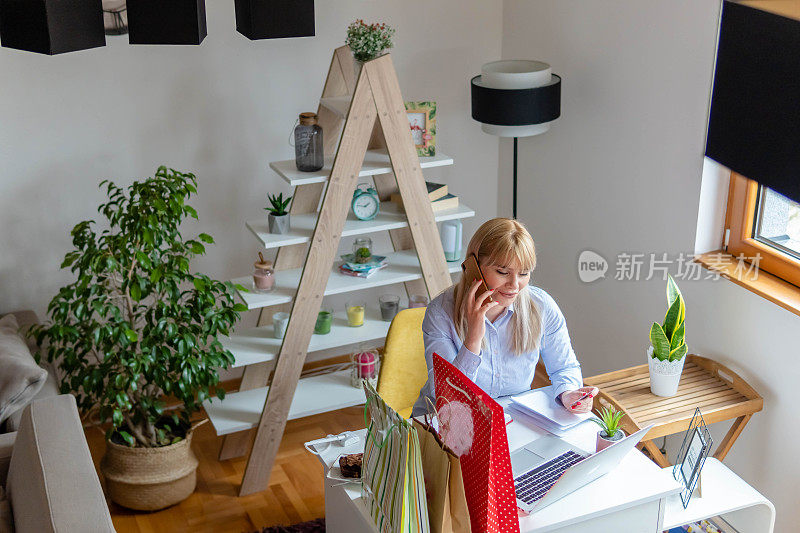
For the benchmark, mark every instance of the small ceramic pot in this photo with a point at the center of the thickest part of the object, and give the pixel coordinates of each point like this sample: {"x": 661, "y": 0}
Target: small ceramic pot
{"x": 280, "y": 224}
{"x": 664, "y": 375}
{"x": 604, "y": 442}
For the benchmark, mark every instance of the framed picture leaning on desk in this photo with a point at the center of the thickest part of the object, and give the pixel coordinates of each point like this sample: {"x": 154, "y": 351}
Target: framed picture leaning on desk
{"x": 691, "y": 457}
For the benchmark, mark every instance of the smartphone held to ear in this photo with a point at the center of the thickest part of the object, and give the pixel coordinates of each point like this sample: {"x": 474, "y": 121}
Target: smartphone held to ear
{"x": 472, "y": 271}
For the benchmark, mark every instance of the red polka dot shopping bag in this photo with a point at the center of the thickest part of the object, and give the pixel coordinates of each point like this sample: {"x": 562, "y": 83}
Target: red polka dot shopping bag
{"x": 472, "y": 424}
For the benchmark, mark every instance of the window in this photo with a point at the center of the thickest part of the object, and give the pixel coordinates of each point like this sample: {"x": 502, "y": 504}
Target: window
{"x": 764, "y": 227}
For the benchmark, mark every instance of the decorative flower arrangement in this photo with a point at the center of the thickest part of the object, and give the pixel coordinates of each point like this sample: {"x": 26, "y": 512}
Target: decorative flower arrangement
{"x": 367, "y": 41}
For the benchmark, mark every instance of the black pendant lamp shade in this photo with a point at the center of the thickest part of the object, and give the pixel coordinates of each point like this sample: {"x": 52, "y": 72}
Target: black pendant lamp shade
{"x": 754, "y": 122}
{"x": 51, "y": 26}
{"x": 166, "y": 21}
{"x": 516, "y": 98}
{"x": 275, "y": 19}
{"x": 516, "y": 107}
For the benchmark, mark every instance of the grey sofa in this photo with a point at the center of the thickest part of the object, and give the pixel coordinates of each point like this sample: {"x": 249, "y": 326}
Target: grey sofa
{"x": 48, "y": 473}
{"x": 26, "y": 319}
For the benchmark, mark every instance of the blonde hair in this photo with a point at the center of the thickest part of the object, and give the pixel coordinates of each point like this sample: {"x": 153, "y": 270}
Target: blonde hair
{"x": 506, "y": 242}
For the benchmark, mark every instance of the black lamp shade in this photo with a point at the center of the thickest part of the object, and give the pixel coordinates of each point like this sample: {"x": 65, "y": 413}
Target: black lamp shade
{"x": 166, "y": 21}
{"x": 754, "y": 122}
{"x": 516, "y": 107}
{"x": 51, "y": 26}
{"x": 275, "y": 19}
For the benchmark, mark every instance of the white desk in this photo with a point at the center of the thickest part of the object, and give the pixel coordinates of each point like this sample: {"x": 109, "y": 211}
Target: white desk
{"x": 634, "y": 494}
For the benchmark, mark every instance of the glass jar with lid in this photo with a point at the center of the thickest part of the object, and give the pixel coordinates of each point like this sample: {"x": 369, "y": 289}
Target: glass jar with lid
{"x": 308, "y": 150}
{"x": 362, "y": 250}
{"x": 263, "y": 275}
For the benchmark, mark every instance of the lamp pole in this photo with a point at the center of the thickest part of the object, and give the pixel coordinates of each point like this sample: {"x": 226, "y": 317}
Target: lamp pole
{"x": 515, "y": 178}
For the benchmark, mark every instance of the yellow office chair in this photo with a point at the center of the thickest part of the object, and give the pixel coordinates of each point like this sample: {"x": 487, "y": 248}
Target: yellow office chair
{"x": 403, "y": 369}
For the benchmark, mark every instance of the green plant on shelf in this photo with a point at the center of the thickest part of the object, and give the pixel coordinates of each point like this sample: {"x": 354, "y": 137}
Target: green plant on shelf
{"x": 609, "y": 421}
{"x": 277, "y": 205}
{"x": 669, "y": 339}
{"x": 137, "y": 325}
{"x": 363, "y": 255}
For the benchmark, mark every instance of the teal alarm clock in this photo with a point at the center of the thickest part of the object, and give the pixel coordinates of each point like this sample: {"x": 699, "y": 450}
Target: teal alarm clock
{"x": 366, "y": 203}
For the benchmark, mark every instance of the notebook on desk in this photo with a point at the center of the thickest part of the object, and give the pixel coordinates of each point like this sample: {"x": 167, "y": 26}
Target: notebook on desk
{"x": 542, "y": 409}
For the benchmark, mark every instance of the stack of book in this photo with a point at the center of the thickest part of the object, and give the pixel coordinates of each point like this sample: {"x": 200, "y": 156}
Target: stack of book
{"x": 362, "y": 270}
{"x": 440, "y": 198}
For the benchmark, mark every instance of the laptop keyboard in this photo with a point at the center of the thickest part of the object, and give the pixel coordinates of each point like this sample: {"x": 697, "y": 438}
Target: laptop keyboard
{"x": 533, "y": 485}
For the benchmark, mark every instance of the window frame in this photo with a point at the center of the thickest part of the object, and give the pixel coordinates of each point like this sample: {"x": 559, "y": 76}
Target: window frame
{"x": 739, "y": 222}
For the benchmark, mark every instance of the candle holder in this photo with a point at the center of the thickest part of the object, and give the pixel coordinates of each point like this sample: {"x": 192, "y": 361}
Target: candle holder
{"x": 365, "y": 366}
{"x": 263, "y": 275}
{"x": 280, "y": 321}
{"x": 417, "y": 300}
{"x": 324, "y": 319}
{"x": 355, "y": 313}
{"x": 390, "y": 304}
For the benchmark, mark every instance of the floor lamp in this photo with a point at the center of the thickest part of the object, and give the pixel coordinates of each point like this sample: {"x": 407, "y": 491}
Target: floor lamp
{"x": 516, "y": 98}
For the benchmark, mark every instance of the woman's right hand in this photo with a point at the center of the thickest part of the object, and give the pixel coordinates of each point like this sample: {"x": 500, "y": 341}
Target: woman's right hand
{"x": 476, "y": 307}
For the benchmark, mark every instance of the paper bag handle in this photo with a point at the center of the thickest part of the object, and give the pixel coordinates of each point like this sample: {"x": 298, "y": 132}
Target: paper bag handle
{"x": 370, "y": 434}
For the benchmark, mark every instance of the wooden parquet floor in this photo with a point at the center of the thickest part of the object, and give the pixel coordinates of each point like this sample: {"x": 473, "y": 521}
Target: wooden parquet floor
{"x": 295, "y": 492}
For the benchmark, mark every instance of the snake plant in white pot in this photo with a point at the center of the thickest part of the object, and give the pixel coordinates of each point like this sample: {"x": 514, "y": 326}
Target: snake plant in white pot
{"x": 667, "y": 352}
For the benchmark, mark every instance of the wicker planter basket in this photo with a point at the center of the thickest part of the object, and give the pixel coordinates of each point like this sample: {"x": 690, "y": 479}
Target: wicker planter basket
{"x": 149, "y": 479}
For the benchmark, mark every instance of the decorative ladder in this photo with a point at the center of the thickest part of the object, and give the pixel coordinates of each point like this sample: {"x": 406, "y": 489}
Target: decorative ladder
{"x": 366, "y": 112}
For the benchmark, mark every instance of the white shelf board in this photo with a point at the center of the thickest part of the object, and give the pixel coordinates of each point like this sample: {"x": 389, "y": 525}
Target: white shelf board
{"x": 403, "y": 266}
{"x": 390, "y": 216}
{"x": 256, "y": 345}
{"x": 722, "y": 492}
{"x": 338, "y": 104}
{"x": 314, "y": 395}
{"x": 375, "y": 162}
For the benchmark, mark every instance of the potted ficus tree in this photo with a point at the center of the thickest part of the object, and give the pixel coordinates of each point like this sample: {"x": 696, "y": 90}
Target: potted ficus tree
{"x": 667, "y": 352}
{"x": 609, "y": 420}
{"x": 278, "y": 213}
{"x": 136, "y": 326}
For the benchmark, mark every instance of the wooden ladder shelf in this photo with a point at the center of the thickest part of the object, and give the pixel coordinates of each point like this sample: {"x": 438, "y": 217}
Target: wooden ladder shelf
{"x": 375, "y": 118}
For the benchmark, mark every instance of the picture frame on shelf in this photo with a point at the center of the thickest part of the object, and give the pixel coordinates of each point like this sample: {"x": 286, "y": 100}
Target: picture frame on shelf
{"x": 422, "y": 121}
{"x": 695, "y": 448}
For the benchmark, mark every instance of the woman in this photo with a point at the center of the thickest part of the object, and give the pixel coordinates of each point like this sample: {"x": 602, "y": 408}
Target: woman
{"x": 498, "y": 342}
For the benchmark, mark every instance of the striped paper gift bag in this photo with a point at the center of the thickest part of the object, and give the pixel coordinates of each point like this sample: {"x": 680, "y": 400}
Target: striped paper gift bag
{"x": 392, "y": 484}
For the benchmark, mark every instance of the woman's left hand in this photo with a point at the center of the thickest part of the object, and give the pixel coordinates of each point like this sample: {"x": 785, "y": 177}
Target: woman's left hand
{"x": 570, "y": 397}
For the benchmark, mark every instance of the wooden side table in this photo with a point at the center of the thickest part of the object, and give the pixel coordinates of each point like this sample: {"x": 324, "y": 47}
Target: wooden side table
{"x": 719, "y": 393}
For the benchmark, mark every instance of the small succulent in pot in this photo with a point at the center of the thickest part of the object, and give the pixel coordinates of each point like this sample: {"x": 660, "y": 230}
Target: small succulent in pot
{"x": 363, "y": 255}
{"x": 278, "y": 213}
{"x": 610, "y": 432}
{"x": 368, "y": 41}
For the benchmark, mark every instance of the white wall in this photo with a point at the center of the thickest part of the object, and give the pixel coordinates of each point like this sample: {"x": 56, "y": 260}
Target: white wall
{"x": 620, "y": 172}
{"x": 222, "y": 110}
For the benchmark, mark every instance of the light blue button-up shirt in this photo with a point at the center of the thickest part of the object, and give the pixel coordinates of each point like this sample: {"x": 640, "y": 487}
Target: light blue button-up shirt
{"x": 496, "y": 369}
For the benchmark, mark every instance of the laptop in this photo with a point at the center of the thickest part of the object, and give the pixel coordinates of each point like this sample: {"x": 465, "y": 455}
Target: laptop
{"x": 547, "y": 469}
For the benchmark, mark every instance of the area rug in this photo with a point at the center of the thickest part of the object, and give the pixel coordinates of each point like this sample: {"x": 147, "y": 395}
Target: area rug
{"x": 314, "y": 526}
